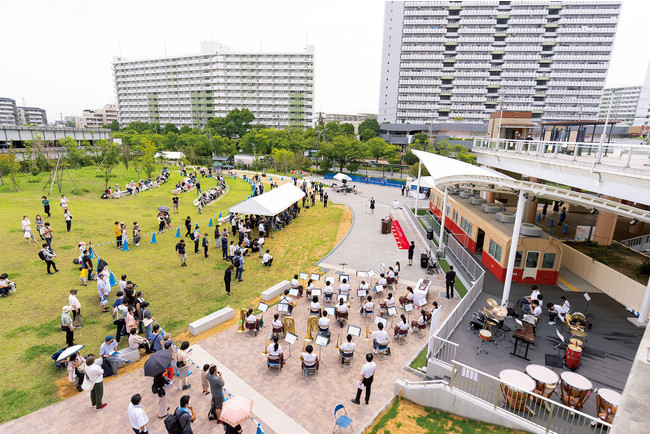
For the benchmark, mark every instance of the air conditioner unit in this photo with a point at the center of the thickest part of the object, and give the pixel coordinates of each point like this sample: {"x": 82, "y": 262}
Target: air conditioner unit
{"x": 491, "y": 208}
{"x": 476, "y": 200}
{"x": 531, "y": 230}
{"x": 506, "y": 217}
{"x": 466, "y": 194}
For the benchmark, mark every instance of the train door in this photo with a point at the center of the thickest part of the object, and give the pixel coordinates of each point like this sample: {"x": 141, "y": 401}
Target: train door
{"x": 530, "y": 266}
{"x": 480, "y": 239}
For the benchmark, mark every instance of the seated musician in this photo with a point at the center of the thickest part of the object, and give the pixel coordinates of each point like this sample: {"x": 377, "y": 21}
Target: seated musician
{"x": 347, "y": 349}
{"x": 251, "y": 321}
{"x": 369, "y": 307}
{"x": 275, "y": 352}
{"x": 267, "y": 259}
{"x": 533, "y": 308}
{"x": 277, "y": 326}
{"x": 328, "y": 291}
{"x": 388, "y": 302}
{"x": 288, "y": 300}
{"x": 390, "y": 279}
{"x": 565, "y": 304}
{"x": 341, "y": 312}
{"x": 382, "y": 281}
{"x": 344, "y": 289}
{"x": 309, "y": 359}
{"x": 324, "y": 325}
{"x": 410, "y": 295}
{"x": 294, "y": 281}
{"x": 364, "y": 285}
{"x": 402, "y": 327}
{"x": 310, "y": 286}
{"x": 314, "y": 307}
{"x": 421, "y": 323}
{"x": 529, "y": 298}
{"x": 379, "y": 337}
{"x": 555, "y": 310}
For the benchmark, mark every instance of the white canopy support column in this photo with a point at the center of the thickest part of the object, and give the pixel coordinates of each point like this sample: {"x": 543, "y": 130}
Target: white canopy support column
{"x": 643, "y": 313}
{"x": 417, "y": 193}
{"x": 519, "y": 214}
{"x": 442, "y": 220}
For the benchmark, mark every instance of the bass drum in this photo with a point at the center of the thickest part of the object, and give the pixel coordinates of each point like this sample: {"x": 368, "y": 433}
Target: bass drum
{"x": 579, "y": 318}
{"x": 478, "y": 321}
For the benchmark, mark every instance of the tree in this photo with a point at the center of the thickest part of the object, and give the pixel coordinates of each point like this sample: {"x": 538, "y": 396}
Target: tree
{"x": 170, "y": 128}
{"x": 378, "y": 148}
{"x": 420, "y": 141}
{"x": 70, "y": 124}
{"x": 9, "y": 165}
{"x": 138, "y": 126}
{"x": 235, "y": 125}
{"x": 114, "y": 126}
{"x": 110, "y": 157}
{"x": 282, "y": 156}
{"x": 342, "y": 150}
{"x": 410, "y": 158}
{"x": 74, "y": 156}
{"x": 185, "y": 129}
{"x": 368, "y": 129}
{"x": 413, "y": 171}
{"x": 332, "y": 129}
{"x": 347, "y": 129}
{"x": 147, "y": 155}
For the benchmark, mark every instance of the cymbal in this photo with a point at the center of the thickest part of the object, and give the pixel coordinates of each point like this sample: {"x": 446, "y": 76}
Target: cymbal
{"x": 492, "y": 302}
{"x": 500, "y": 311}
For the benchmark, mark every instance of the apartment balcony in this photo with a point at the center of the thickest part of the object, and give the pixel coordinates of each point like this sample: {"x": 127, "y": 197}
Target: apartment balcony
{"x": 415, "y": 12}
{"x": 512, "y": 39}
{"x": 610, "y": 30}
{"x": 556, "y": 75}
{"x": 402, "y": 97}
{"x": 529, "y": 65}
{"x": 515, "y": 21}
{"x": 579, "y": 11}
{"x": 470, "y": 83}
{"x": 540, "y": 11}
{"x": 426, "y": 21}
{"x": 587, "y": 20}
{"x": 476, "y": 30}
{"x": 422, "y": 56}
{"x": 427, "y": 90}
{"x": 470, "y": 90}
{"x": 579, "y": 48}
{"x": 559, "y": 83}
{"x": 512, "y": 56}
{"x": 407, "y": 73}
{"x": 581, "y": 65}
{"x": 423, "y": 39}
{"x": 418, "y": 65}
{"x": 461, "y": 65}
{"x": 517, "y": 83}
{"x": 474, "y": 22}
{"x": 422, "y": 48}
{"x": 580, "y": 57}
{"x": 466, "y": 39}
{"x": 420, "y": 82}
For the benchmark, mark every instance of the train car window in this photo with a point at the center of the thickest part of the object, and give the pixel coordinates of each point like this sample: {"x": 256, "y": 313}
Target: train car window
{"x": 495, "y": 250}
{"x": 518, "y": 257}
{"x": 448, "y": 209}
{"x": 455, "y": 216}
{"x": 531, "y": 259}
{"x": 466, "y": 226}
{"x": 548, "y": 261}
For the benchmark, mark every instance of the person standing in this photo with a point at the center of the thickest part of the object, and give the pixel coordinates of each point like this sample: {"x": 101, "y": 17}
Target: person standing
{"x": 39, "y": 226}
{"x": 175, "y": 203}
{"x": 325, "y": 200}
{"x": 227, "y": 277}
{"x": 27, "y": 229}
{"x": 205, "y": 242}
{"x": 216, "y": 381}
{"x": 562, "y": 216}
{"x": 117, "y": 229}
{"x": 411, "y": 251}
{"x": 544, "y": 210}
{"x": 198, "y": 188}
{"x": 450, "y": 279}
{"x": 137, "y": 416}
{"x": 197, "y": 238}
{"x": 66, "y": 326}
{"x": 240, "y": 266}
{"x": 182, "y": 363}
{"x": 46, "y": 206}
{"x": 185, "y": 415}
{"x": 74, "y": 303}
{"x": 136, "y": 234}
{"x": 64, "y": 202}
{"x": 372, "y": 205}
{"x": 95, "y": 375}
{"x": 180, "y": 248}
{"x": 224, "y": 245}
{"x": 48, "y": 256}
{"x": 158, "y": 388}
{"x": 68, "y": 219}
{"x": 47, "y": 234}
{"x": 403, "y": 189}
{"x": 365, "y": 381}
{"x": 188, "y": 226}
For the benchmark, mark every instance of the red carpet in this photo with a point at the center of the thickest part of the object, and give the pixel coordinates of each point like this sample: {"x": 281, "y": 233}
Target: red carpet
{"x": 402, "y": 242}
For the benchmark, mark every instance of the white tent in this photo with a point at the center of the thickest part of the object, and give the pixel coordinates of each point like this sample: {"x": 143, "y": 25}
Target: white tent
{"x": 425, "y": 181}
{"x": 271, "y": 203}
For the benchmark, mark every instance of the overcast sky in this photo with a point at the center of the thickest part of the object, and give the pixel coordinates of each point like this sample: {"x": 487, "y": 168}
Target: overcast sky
{"x": 57, "y": 54}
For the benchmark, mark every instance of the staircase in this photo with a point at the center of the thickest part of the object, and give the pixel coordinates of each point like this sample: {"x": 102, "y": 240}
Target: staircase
{"x": 398, "y": 233}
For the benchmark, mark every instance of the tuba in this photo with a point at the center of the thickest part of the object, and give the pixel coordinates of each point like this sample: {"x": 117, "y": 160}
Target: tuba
{"x": 242, "y": 320}
{"x": 289, "y": 325}
{"x": 312, "y": 328}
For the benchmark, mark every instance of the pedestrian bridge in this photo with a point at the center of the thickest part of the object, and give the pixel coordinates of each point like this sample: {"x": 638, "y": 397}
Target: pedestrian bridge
{"x": 617, "y": 170}
{"x": 19, "y": 134}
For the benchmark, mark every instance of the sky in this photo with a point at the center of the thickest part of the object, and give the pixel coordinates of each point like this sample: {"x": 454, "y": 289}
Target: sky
{"x": 57, "y": 54}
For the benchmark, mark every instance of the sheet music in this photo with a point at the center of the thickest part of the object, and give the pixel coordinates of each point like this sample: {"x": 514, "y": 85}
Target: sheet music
{"x": 408, "y": 307}
{"x": 283, "y": 307}
{"x": 322, "y": 341}
{"x": 392, "y": 310}
{"x": 343, "y": 297}
{"x": 362, "y": 273}
{"x": 344, "y": 276}
{"x": 361, "y": 293}
{"x": 315, "y": 276}
{"x": 382, "y": 267}
{"x": 330, "y": 310}
{"x": 381, "y": 320}
{"x": 316, "y": 291}
{"x": 586, "y": 296}
{"x": 379, "y": 288}
{"x": 290, "y": 338}
{"x": 354, "y": 330}
{"x": 303, "y": 276}
{"x": 263, "y": 307}
{"x": 293, "y": 292}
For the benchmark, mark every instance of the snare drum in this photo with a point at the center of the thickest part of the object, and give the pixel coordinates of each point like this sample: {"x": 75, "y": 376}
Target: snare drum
{"x": 574, "y": 389}
{"x": 607, "y": 402}
{"x": 575, "y": 341}
{"x": 573, "y": 356}
{"x": 545, "y": 379}
{"x": 486, "y": 335}
{"x": 514, "y": 392}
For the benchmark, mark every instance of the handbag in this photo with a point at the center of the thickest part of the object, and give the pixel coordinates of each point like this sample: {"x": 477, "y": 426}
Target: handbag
{"x": 78, "y": 320}
{"x": 87, "y": 385}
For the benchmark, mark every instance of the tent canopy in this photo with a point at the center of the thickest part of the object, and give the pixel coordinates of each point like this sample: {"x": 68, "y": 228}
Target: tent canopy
{"x": 271, "y": 203}
{"x": 425, "y": 181}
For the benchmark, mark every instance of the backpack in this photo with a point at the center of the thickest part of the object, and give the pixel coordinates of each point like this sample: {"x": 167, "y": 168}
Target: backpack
{"x": 235, "y": 261}
{"x": 41, "y": 255}
{"x": 172, "y": 424}
{"x": 205, "y": 241}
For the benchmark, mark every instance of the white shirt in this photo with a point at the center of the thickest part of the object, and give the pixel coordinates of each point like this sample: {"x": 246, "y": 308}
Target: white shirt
{"x": 328, "y": 290}
{"x": 251, "y": 318}
{"x": 534, "y": 294}
{"x": 261, "y": 227}
{"x": 390, "y": 302}
{"x": 294, "y": 282}
{"x": 566, "y": 306}
{"x": 324, "y": 323}
{"x": 310, "y": 287}
{"x": 276, "y": 324}
{"x": 314, "y": 306}
{"x": 286, "y": 299}
{"x": 122, "y": 284}
{"x": 422, "y": 320}
{"x": 348, "y": 347}
{"x": 266, "y": 258}
{"x": 137, "y": 416}
{"x": 64, "y": 202}
{"x": 380, "y": 336}
{"x": 344, "y": 288}
{"x": 26, "y": 224}
{"x": 559, "y": 309}
{"x": 365, "y": 286}
{"x": 391, "y": 274}
{"x": 368, "y": 306}
{"x": 309, "y": 359}
{"x": 410, "y": 296}
{"x": 273, "y": 352}
{"x": 382, "y": 281}
{"x": 342, "y": 308}
{"x": 368, "y": 370}
{"x": 95, "y": 372}
{"x": 537, "y": 311}
{"x": 73, "y": 301}
{"x": 402, "y": 325}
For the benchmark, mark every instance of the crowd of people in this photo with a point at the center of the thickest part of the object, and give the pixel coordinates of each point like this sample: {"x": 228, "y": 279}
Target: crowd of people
{"x": 211, "y": 195}
{"x": 133, "y": 188}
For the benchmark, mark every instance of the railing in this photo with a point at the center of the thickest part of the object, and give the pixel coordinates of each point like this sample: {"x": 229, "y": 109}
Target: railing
{"x": 369, "y": 180}
{"x": 640, "y": 244}
{"x": 544, "y": 414}
{"x": 582, "y": 153}
{"x": 442, "y": 350}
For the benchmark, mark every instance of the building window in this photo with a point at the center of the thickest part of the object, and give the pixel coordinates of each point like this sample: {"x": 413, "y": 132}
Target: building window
{"x": 495, "y": 250}
{"x": 448, "y": 210}
{"x": 454, "y": 216}
{"x": 548, "y": 261}
{"x": 466, "y": 226}
{"x": 518, "y": 257}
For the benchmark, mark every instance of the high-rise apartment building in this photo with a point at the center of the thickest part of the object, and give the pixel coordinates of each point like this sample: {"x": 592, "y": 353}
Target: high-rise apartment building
{"x": 191, "y": 89}
{"x": 447, "y": 60}
{"x": 623, "y": 102}
{"x": 8, "y": 111}
{"x": 97, "y": 118}
{"x": 31, "y": 116}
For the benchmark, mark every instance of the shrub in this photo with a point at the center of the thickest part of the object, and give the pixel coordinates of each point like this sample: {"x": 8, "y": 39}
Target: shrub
{"x": 643, "y": 269}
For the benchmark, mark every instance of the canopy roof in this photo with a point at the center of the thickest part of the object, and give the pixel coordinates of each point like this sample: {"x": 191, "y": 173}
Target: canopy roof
{"x": 271, "y": 203}
{"x": 425, "y": 181}
{"x": 442, "y": 167}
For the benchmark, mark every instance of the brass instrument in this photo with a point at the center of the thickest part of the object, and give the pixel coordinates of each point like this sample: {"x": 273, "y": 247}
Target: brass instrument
{"x": 242, "y": 320}
{"x": 292, "y": 304}
{"x": 303, "y": 350}
{"x": 368, "y": 334}
{"x": 289, "y": 325}
{"x": 338, "y": 342}
{"x": 266, "y": 348}
{"x": 312, "y": 328}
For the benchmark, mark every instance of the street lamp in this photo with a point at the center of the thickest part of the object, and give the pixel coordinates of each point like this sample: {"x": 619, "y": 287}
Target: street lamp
{"x": 601, "y": 143}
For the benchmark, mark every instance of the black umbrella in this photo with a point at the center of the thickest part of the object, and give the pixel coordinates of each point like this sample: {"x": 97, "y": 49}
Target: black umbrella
{"x": 163, "y": 208}
{"x": 157, "y": 362}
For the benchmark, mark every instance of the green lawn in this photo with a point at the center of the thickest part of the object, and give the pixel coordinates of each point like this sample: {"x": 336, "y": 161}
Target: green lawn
{"x": 421, "y": 360}
{"x": 177, "y": 295}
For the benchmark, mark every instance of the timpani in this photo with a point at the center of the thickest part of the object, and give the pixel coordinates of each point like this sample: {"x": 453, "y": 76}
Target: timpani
{"x": 514, "y": 387}
{"x": 545, "y": 381}
{"x": 574, "y": 389}
{"x": 607, "y": 402}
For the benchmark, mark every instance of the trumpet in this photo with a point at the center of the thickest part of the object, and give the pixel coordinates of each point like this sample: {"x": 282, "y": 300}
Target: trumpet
{"x": 338, "y": 342}
{"x": 312, "y": 328}
{"x": 266, "y": 348}
{"x": 242, "y": 320}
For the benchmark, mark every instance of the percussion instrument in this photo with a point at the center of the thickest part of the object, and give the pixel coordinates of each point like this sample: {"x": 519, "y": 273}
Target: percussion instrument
{"x": 514, "y": 391}
{"x": 545, "y": 379}
{"x": 574, "y": 389}
{"x": 607, "y": 402}
{"x": 500, "y": 312}
{"x": 487, "y": 311}
{"x": 492, "y": 302}
{"x": 486, "y": 335}
{"x": 573, "y": 356}
{"x": 575, "y": 341}
{"x": 477, "y": 321}
{"x": 579, "y": 318}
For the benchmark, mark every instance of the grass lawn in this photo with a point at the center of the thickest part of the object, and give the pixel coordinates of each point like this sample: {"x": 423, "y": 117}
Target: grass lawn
{"x": 406, "y": 417}
{"x": 178, "y": 296}
{"x": 421, "y": 360}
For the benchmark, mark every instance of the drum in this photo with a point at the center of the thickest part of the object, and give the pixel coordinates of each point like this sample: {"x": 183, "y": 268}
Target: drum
{"x": 514, "y": 387}
{"x": 574, "y": 389}
{"x": 545, "y": 379}
{"x": 607, "y": 402}
{"x": 573, "y": 357}
{"x": 486, "y": 335}
{"x": 579, "y": 318}
{"x": 487, "y": 311}
{"x": 576, "y": 342}
{"x": 477, "y": 321}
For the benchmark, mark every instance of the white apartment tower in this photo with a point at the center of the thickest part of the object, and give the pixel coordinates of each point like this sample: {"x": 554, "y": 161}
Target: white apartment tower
{"x": 189, "y": 90}
{"x": 642, "y": 116}
{"x": 623, "y": 102}
{"x": 446, "y": 60}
